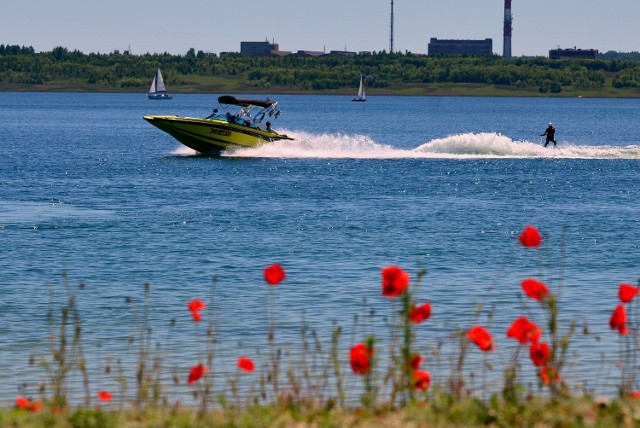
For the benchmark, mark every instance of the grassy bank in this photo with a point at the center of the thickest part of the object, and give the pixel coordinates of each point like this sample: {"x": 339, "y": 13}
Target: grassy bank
{"x": 440, "y": 411}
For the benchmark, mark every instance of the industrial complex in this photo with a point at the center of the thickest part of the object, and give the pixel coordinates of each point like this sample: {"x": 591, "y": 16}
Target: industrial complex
{"x": 573, "y": 53}
{"x": 460, "y": 47}
{"x": 436, "y": 47}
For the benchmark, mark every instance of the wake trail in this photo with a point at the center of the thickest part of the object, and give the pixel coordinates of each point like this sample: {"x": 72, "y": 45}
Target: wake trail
{"x": 487, "y": 145}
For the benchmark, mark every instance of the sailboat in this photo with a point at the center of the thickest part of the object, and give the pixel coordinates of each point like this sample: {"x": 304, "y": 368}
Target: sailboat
{"x": 157, "y": 90}
{"x": 361, "y": 95}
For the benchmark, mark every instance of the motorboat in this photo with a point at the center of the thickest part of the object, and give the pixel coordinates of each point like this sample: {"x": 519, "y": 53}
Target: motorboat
{"x": 238, "y": 123}
{"x": 158, "y": 91}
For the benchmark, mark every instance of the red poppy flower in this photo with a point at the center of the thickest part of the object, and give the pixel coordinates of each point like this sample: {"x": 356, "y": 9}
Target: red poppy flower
{"x": 395, "y": 281}
{"x": 420, "y": 313}
{"x": 524, "y": 331}
{"x": 196, "y": 316}
{"x": 104, "y": 396}
{"x": 627, "y": 292}
{"x": 547, "y": 375}
{"x": 481, "y": 337}
{"x": 534, "y": 289}
{"x": 360, "y": 357}
{"x": 196, "y": 373}
{"x": 530, "y": 237}
{"x": 246, "y": 364}
{"x": 23, "y": 403}
{"x": 274, "y": 274}
{"x": 196, "y": 305}
{"x": 421, "y": 380}
{"x": 540, "y": 354}
{"x": 618, "y": 320}
{"x": 635, "y": 394}
{"x": 36, "y": 406}
{"x": 415, "y": 362}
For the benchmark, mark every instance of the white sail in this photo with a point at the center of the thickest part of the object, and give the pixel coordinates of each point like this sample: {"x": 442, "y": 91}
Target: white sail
{"x": 159, "y": 82}
{"x": 361, "y": 95}
{"x": 152, "y": 89}
{"x": 157, "y": 91}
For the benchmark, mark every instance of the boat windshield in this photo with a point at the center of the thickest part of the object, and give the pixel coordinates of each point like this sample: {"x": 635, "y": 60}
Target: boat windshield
{"x": 252, "y": 112}
{"x": 215, "y": 115}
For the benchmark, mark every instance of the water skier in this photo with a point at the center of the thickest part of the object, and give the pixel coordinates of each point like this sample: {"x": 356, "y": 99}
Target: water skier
{"x": 550, "y": 132}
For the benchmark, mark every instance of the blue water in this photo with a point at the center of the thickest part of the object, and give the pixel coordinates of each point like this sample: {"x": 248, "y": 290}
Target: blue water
{"x": 91, "y": 194}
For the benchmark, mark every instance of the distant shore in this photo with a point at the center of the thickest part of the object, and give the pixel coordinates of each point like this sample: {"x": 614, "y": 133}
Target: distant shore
{"x": 442, "y": 89}
{"x": 61, "y": 70}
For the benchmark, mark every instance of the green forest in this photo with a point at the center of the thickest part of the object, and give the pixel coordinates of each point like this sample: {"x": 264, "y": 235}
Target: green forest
{"x": 21, "y": 68}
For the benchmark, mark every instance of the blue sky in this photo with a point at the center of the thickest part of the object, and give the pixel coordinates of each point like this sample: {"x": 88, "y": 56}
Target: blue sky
{"x": 357, "y": 25}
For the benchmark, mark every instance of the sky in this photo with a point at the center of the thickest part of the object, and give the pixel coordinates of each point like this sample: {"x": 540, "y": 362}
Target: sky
{"x": 355, "y": 25}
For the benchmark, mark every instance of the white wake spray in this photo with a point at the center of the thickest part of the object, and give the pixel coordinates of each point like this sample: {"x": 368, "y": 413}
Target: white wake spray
{"x": 324, "y": 146}
{"x": 183, "y": 151}
{"x": 492, "y": 145}
{"x": 460, "y": 146}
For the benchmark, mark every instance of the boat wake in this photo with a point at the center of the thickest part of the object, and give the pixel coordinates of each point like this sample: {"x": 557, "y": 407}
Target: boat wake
{"x": 492, "y": 145}
{"x": 183, "y": 151}
{"x": 461, "y": 146}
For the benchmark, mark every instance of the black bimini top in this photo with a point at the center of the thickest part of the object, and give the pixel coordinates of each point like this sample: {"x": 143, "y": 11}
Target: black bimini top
{"x": 244, "y": 102}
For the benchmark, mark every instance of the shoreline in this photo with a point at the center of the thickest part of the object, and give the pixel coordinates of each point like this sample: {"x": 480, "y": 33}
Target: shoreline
{"x": 431, "y": 90}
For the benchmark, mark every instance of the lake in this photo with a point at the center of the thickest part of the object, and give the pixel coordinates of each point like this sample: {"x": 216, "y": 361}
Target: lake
{"x": 95, "y": 199}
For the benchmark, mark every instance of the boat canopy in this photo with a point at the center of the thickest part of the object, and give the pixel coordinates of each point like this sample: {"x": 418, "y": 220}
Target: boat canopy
{"x": 244, "y": 102}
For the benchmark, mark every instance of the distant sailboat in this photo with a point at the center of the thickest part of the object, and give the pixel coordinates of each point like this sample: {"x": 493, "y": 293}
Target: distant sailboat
{"x": 361, "y": 95}
{"x": 157, "y": 90}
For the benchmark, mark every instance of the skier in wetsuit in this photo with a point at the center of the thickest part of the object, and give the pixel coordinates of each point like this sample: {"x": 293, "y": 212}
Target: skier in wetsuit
{"x": 550, "y": 132}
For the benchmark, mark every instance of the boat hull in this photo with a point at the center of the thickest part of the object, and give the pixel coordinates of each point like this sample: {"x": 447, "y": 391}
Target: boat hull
{"x": 212, "y": 136}
{"x": 160, "y": 96}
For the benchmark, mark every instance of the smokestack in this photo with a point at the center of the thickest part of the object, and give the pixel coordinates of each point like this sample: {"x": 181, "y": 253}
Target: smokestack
{"x": 506, "y": 50}
{"x": 391, "y": 32}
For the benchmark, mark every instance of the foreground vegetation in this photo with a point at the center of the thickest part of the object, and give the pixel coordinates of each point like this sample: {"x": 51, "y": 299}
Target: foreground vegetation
{"x": 21, "y": 68}
{"x": 379, "y": 379}
{"x": 441, "y": 412}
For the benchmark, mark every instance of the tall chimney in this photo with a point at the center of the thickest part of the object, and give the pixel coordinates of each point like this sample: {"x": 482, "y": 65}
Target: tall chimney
{"x": 506, "y": 50}
{"x": 391, "y": 30}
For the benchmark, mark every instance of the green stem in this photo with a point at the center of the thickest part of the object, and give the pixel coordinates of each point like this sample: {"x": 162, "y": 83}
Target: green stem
{"x": 407, "y": 370}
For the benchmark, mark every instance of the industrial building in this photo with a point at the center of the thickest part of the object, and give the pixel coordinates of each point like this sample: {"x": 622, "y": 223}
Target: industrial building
{"x": 343, "y": 53}
{"x": 258, "y": 48}
{"x": 573, "y": 53}
{"x": 460, "y": 47}
{"x": 309, "y": 54}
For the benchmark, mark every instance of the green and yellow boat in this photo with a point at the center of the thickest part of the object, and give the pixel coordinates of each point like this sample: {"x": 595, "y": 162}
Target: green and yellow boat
{"x": 223, "y": 129}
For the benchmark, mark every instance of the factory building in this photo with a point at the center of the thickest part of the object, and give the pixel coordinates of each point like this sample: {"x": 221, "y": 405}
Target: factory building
{"x": 343, "y": 53}
{"x": 460, "y": 47}
{"x": 309, "y": 54}
{"x": 573, "y": 53}
{"x": 258, "y": 48}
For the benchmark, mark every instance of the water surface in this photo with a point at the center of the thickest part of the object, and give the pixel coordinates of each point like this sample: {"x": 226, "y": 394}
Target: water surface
{"x": 91, "y": 194}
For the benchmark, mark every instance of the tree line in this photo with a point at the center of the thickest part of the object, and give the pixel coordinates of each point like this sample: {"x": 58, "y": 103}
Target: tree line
{"x": 22, "y": 65}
